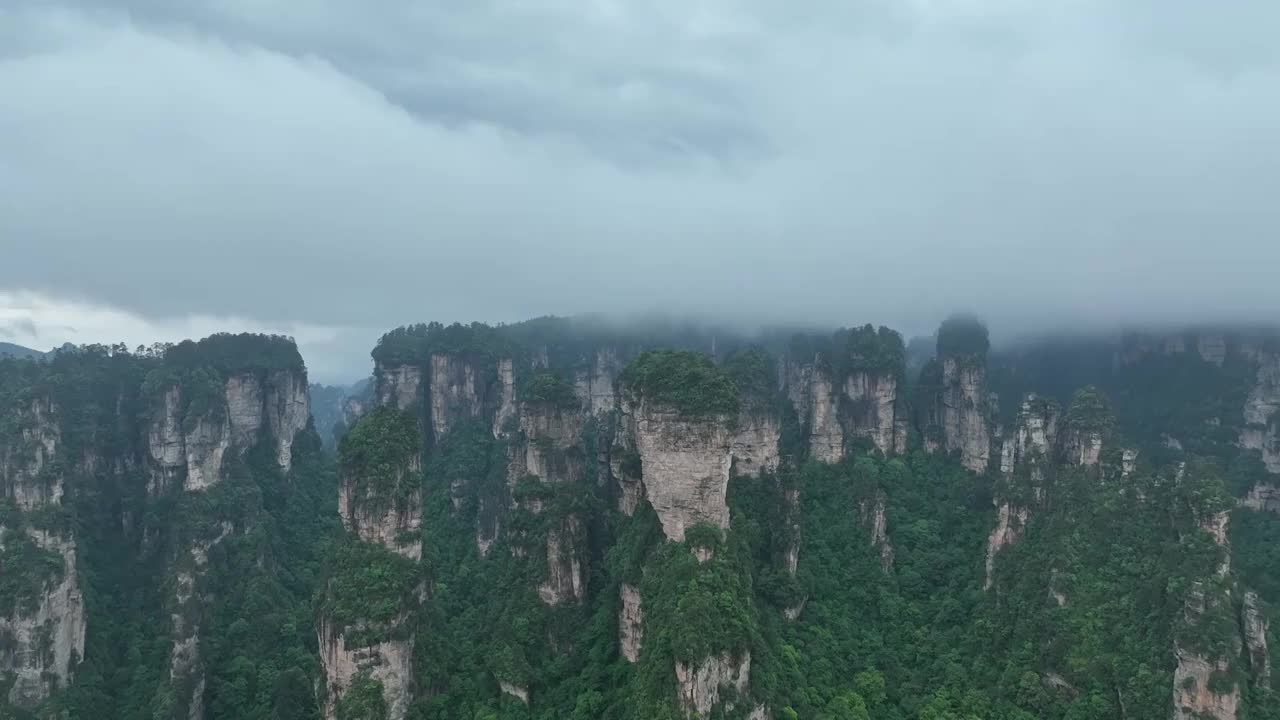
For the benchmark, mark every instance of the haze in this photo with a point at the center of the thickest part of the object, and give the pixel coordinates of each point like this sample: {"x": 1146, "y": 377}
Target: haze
{"x": 330, "y": 170}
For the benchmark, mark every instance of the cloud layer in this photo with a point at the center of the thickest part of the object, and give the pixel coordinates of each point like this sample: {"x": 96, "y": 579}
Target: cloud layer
{"x": 344, "y": 166}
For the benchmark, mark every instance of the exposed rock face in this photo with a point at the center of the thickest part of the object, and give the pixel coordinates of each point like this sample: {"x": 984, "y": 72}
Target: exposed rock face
{"x": 626, "y": 467}
{"x": 826, "y": 437}
{"x": 389, "y": 662}
{"x": 565, "y": 581}
{"x": 873, "y": 518}
{"x": 454, "y": 393}
{"x": 195, "y": 447}
{"x": 1011, "y": 522}
{"x": 1194, "y": 697}
{"x": 686, "y": 465}
{"x": 507, "y": 397}
{"x": 699, "y": 686}
{"x": 1254, "y": 625}
{"x": 381, "y": 520}
{"x": 186, "y": 673}
{"x": 792, "y": 498}
{"x": 873, "y": 402}
{"x": 755, "y": 443}
{"x": 630, "y": 622}
{"x": 518, "y": 692}
{"x": 965, "y": 411}
{"x": 596, "y": 386}
{"x": 1263, "y": 497}
{"x": 399, "y": 385}
{"x": 22, "y": 467}
{"x": 1083, "y": 448}
{"x": 550, "y": 444}
{"x": 1262, "y": 413}
{"x": 44, "y": 646}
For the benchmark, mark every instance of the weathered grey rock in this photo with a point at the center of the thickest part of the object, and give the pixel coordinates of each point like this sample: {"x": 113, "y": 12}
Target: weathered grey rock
{"x": 965, "y": 411}
{"x": 1254, "y": 624}
{"x": 389, "y": 662}
{"x": 565, "y": 581}
{"x": 394, "y": 523}
{"x": 686, "y": 465}
{"x": 873, "y": 402}
{"x": 630, "y": 622}
{"x": 507, "y": 397}
{"x": 44, "y": 646}
{"x": 550, "y": 444}
{"x": 1262, "y": 412}
{"x": 624, "y": 467}
{"x": 1264, "y": 497}
{"x": 754, "y": 445}
{"x": 699, "y": 686}
{"x": 206, "y": 443}
{"x": 23, "y": 464}
{"x": 454, "y": 394}
{"x": 165, "y": 443}
{"x": 518, "y": 692}
{"x": 186, "y": 671}
{"x": 596, "y": 386}
{"x": 399, "y": 385}
{"x": 1011, "y": 522}
{"x": 872, "y": 515}
{"x": 288, "y": 409}
{"x": 1193, "y": 697}
{"x": 826, "y": 436}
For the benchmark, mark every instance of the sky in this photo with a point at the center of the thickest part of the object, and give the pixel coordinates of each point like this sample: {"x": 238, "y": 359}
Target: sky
{"x": 330, "y": 169}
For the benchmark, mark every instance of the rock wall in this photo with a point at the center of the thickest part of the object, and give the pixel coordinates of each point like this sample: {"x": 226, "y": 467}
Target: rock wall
{"x": 1263, "y": 497}
{"x": 194, "y": 447}
{"x": 872, "y": 515}
{"x": 630, "y": 622}
{"x": 506, "y": 397}
{"x": 44, "y": 646}
{"x": 549, "y": 445}
{"x": 1262, "y": 412}
{"x": 1194, "y": 695}
{"x": 686, "y": 463}
{"x": 596, "y": 386}
{"x": 699, "y": 685}
{"x": 565, "y": 581}
{"x": 381, "y": 520}
{"x": 389, "y": 662}
{"x": 754, "y": 444}
{"x": 398, "y": 385}
{"x": 186, "y": 671}
{"x": 1254, "y": 626}
{"x": 872, "y": 402}
{"x": 454, "y": 392}
{"x": 826, "y": 435}
{"x": 23, "y": 479}
{"x": 1026, "y": 456}
{"x": 965, "y": 411}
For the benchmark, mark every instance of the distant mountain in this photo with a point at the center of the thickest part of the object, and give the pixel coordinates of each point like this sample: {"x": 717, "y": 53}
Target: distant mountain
{"x": 19, "y": 351}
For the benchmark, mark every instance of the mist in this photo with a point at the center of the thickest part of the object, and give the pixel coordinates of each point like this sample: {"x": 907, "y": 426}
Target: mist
{"x": 330, "y": 173}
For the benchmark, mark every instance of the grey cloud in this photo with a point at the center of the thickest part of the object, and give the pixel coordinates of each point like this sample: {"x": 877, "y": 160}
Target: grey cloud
{"x": 362, "y": 166}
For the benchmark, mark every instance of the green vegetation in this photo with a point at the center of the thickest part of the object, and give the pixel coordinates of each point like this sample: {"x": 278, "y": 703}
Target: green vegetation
{"x": 963, "y": 335}
{"x": 26, "y": 570}
{"x": 687, "y": 381}
{"x": 551, "y": 389}
{"x": 379, "y": 453}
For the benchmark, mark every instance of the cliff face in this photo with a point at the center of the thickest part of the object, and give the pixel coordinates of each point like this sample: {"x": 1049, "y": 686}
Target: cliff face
{"x": 1197, "y": 692}
{"x": 754, "y": 445}
{"x": 45, "y": 643}
{"x": 1254, "y": 624}
{"x": 686, "y": 465}
{"x": 1262, "y": 412}
{"x": 374, "y": 517}
{"x": 565, "y": 581}
{"x": 864, "y": 404}
{"x": 399, "y": 385}
{"x": 454, "y": 392}
{"x": 389, "y": 663}
{"x": 1026, "y": 456}
{"x": 630, "y": 622}
{"x": 700, "y": 685}
{"x": 965, "y": 411}
{"x": 46, "y": 633}
{"x": 194, "y": 443}
{"x": 872, "y": 399}
{"x": 596, "y": 386}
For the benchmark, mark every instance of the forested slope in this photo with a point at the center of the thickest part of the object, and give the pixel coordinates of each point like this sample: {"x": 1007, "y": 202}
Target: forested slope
{"x": 567, "y": 519}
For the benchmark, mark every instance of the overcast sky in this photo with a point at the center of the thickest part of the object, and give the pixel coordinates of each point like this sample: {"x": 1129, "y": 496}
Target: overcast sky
{"x": 333, "y": 168}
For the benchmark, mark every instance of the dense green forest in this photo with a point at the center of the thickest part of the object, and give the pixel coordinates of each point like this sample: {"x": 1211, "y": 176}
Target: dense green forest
{"x": 568, "y": 518}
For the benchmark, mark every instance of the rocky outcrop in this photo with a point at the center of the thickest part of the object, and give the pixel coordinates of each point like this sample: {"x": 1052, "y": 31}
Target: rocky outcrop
{"x": 389, "y": 662}
{"x": 699, "y": 685}
{"x": 872, "y": 515}
{"x": 630, "y": 622}
{"x": 686, "y": 464}
{"x": 506, "y": 397}
{"x": 596, "y": 386}
{"x": 1202, "y": 688}
{"x": 393, "y": 522}
{"x": 565, "y": 581}
{"x": 398, "y": 385}
{"x": 454, "y": 392}
{"x": 754, "y": 445}
{"x": 186, "y": 671}
{"x": 1263, "y": 497}
{"x": 826, "y": 436}
{"x": 44, "y": 645}
{"x": 518, "y": 692}
{"x": 1011, "y": 522}
{"x": 871, "y": 399}
{"x": 966, "y": 425}
{"x": 195, "y": 444}
{"x": 23, "y": 464}
{"x": 550, "y": 444}
{"x": 1262, "y": 412}
{"x": 1254, "y": 626}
